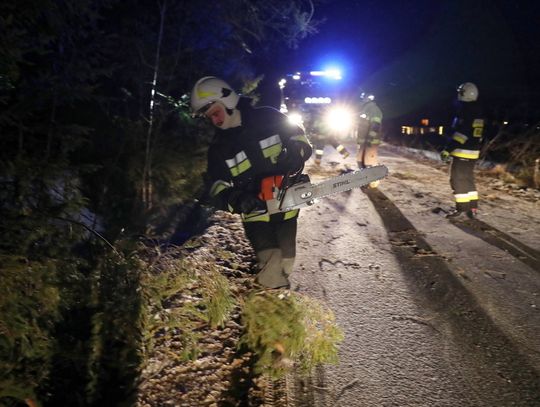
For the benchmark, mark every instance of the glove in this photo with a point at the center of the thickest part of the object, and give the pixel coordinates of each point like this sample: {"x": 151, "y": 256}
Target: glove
{"x": 244, "y": 202}
{"x": 445, "y": 156}
{"x": 290, "y": 161}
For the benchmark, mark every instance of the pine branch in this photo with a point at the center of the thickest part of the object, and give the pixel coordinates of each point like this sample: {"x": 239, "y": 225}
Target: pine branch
{"x": 95, "y": 232}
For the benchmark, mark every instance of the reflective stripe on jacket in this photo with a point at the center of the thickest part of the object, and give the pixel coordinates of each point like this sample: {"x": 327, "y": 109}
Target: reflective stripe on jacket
{"x": 369, "y": 123}
{"x": 467, "y": 131}
{"x": 242, "y": 156}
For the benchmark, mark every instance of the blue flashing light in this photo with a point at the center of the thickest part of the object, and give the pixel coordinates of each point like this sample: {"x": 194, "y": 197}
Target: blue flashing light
{"x": 328, "y": 73}
{"x": 334, "y": 73}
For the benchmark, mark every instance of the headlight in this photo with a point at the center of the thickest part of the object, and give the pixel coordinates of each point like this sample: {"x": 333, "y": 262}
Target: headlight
{"x": 339, "y": 119}
{"x": 295, "y": 118}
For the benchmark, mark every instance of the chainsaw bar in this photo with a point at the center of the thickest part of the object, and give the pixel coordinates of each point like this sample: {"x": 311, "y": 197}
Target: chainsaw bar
{"x": 307, "y": 194}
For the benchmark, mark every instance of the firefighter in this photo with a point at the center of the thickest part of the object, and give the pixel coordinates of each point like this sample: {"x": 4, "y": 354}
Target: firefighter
{"x": 368, "y": 133}
{"x": 320, "y": 135}
{"x": 251, "y": 144}
{"x": 463, "y": 149}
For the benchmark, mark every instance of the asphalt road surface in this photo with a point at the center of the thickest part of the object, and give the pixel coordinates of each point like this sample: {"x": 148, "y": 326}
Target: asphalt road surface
{"x": 434, "y": 313}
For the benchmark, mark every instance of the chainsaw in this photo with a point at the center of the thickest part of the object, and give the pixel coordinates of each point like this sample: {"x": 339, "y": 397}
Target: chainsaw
{"x": 282, "y": 195}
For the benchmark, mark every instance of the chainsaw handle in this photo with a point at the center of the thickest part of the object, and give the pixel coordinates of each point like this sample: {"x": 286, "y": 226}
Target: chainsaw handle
{"x": 269, "y": 186}
{"x": 273, "y": 188}
{"x": 284, "y": 185}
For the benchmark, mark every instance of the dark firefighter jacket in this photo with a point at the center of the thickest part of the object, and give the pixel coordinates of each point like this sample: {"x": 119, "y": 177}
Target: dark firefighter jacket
{"x": 369, "y": 124}
{"x": 240, "y": 157}
{"x": 467, "y": 131}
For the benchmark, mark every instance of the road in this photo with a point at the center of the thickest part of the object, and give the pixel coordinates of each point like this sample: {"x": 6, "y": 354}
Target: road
{"x": 434, "y": 313}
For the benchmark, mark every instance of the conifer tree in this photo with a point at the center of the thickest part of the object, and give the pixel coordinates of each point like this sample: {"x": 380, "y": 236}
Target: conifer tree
{"x": 76, "y": 151}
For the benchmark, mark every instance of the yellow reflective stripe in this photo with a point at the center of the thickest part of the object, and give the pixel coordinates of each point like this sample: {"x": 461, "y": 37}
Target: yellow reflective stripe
{"x": 240, "y": 168}
{"x": 376, "y": 119}
{"x": 291, "y": 214}
{"x": 203, "y": 94}
{"x": 319, "y": 152}
{"x": 272, "y": 151}
{"x": 340, "y": 148}
{"x": 238, "y": 164}
{"x": 238, "y": 158}
{"x": 270, "y": 141}
{"x": 300, "y": 137}
{"x": 271, "y": 146}
{"x": 372, "y": 133}
{"x": 255, "y": 218}
{"x": 218, "y": 186}
{"x": 460, "y": 138}
{"x": 266, "y": 218}
{"x": 478, "y": 127}
{"x": 478, "y": 123}
{"x": 473, "y": 195}
{"x": 470, "y": 154}
{"x": 460, "y": 198}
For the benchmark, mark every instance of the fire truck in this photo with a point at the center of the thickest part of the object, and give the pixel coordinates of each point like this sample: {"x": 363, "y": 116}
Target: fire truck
{"x": 317, "y": 100}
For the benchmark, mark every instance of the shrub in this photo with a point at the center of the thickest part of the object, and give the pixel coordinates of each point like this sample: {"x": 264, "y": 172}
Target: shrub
{"x": 284, "y": 329}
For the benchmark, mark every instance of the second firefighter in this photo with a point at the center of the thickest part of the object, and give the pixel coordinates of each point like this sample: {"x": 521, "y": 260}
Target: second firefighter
{"x": 463, "y": 148}
{"x": 368, "y": 133}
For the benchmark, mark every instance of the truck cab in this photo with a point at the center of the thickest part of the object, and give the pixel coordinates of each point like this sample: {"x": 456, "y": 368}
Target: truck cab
{"x": 317, "y": 100}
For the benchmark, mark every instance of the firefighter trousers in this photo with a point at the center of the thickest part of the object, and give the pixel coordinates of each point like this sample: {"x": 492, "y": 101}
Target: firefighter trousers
{"x": 275, "y": 248}
{"x": 463, "y": 184}
{"x": 368, "y": 155}
{"x": 319, "y": 145}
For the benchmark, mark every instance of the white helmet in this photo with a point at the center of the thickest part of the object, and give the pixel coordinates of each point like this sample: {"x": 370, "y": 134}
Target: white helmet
{"x": 210, "y": 89}
{"x": 467, "y": 92}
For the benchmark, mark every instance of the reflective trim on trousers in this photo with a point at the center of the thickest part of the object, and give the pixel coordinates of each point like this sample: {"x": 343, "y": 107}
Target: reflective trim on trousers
{"x": 462, "y": 197}
{"x": 254, "y": 217}
{"x": 468, "y": 154}
{"x": 473, "y": 195}
{"x": 291, "y": 214}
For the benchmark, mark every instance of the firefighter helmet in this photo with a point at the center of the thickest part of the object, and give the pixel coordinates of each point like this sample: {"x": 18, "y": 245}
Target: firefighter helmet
{"x": 210, "y": 89}
{"x": 367, "y": 96}
{"x": 467, "y": 92}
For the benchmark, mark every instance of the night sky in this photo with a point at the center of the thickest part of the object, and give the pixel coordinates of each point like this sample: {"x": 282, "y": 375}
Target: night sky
{"x": 413, "y": 54}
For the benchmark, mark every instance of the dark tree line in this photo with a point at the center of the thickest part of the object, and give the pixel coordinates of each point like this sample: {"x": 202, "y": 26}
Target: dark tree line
{"x": 97, "y": 147}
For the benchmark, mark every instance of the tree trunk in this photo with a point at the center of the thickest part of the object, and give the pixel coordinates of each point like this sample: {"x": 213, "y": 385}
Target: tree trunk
{"x": 147, "y": 170}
